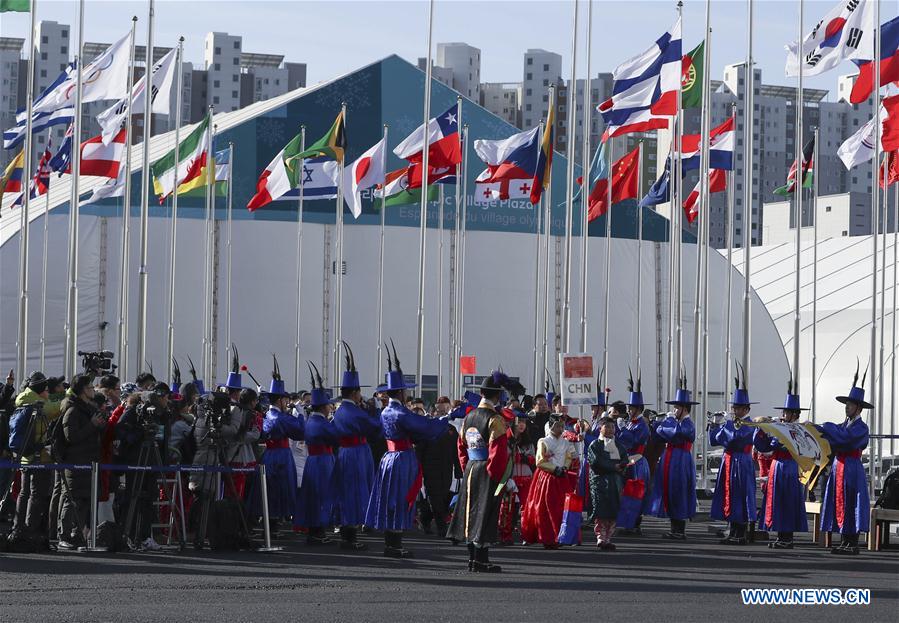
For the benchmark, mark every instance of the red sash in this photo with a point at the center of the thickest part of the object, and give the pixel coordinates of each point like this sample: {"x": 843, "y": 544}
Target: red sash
{"x": 399, "y": 445}
{"x": 273, "y": 444}
{"x": 350, "y": 442}
{"x": 317, "y": 449}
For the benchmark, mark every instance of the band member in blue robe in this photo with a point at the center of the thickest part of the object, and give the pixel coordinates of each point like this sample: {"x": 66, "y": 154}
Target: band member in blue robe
{"x": 633, "y": 433}
{"x": 391, "y": 507}
{"x": 783, "y": 506}
{"x": 278, "y": 428}
{"x": 674, "y": 483}
{"x": 355, "y": 423}
{"x": 315, "y": 505}
{"x": 846, "y": 506}
{"x": 734, "y": 497}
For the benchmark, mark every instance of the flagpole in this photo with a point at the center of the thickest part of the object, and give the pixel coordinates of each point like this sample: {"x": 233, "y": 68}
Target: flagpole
{"x": 423, "y": 211}
{"x": 672, "y": 172}
{"x": 547, "y": 227}
{"x": 454, "y": 335}
{"x": 229, "y": 199}
{"x": 798, "y": 183}
{"x": 126, "y": 222}
{"x": 895, "y": 309}
{"x": 296, "y": 343}
{"x": 338, "y": 303}
{"x": 638, "y": 337}
{"x": 145, "y": 199}
{"x": 22, "y": 350}
{"x": 748, "y": 184}
{"x": 814, "y": 374}
{"x": 173, "y": 233}
{"x": 537, "y": 266}
{"x": 729, "y": 237}
{"x": 608, "y": 284}
{"x": 677, "y": 225}
{"x": 440, "y": 291}
{"x": 883, "y": 293}
{"x": 585, "y": 177}
{"x": 569, "y": 188}
{"x": 72, "y": 299}
{"x": 381, "y": 262}
{"x": 44, "y": 280}
{"x": 207, "y": 268}
{"x": 877, "y": 412}
{"x": 464, "y": 236}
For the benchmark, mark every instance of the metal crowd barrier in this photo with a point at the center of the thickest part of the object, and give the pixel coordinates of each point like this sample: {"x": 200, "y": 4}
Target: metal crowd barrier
{"x": 96, "y": 468}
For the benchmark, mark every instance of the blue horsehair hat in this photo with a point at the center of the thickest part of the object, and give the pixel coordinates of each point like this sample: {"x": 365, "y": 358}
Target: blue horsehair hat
{"x": 394, "y": 379}
{"x": 791, "y": 403}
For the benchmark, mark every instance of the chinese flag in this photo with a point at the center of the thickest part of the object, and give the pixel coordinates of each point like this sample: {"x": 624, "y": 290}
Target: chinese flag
{"x": 891, "y": 168}
{"x": 624, "y": 185}
{"x": 468, "y": 364}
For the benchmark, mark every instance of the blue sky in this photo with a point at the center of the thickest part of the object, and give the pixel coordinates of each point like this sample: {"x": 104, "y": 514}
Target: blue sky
{"x": 337, "y": 36}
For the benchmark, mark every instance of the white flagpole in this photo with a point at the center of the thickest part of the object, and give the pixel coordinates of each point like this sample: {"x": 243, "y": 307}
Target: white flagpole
{"x": 881, "y": 389}
{"x": 44, "y": 280}
{"x": 672, "y": 172}
{"x": 296, "y": 343}
{"x": 457, "y": 313}
{"x": 608, "y": 284}
{"x": 748, "y": 185}
{"x": 230, "y": 204}
{"x": 145, "y": 202}
{"x": 677, "y": 225}
{"x": 24, "y": 228}
{"x": 381, "y": 262}
{"x": 877, "y": 412}
{"x": 71, "y": 352}
{"x": 729, "y": 239}
{"x": 126, "y": 224}
{"x": 173, "y": 234}
{"x": 798, "y": 182}
{"x": 440, "y": 291}
{"x": 638, "y": 342}
{"x": 537, "y": 266}
{"x": 569, "y": 188}
{"x": 423, "y": 211}
{"x": 464, "y": 235}
{"x": 585, "y": 177}
{"x": 338, "y": 295}
{"x": 895, "y": 309}
{"x": 547, "y": 233}
{"x": 207, "y": 268}
{"x": 814, "y": 375}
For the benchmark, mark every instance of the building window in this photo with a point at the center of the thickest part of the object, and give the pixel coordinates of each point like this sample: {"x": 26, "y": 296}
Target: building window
{"x": 827, "y": 209}
{"x": 44, "y": 39}
{"x": 527, "y": 107}
{"x": 64, "y": 50}
{"x": 234, "y": 78}
{"x": 64, "y": 33}
{"x": 234, "y": 94}
{"x": 845, "y": 233}
{"x": 218, "y": 66}
{"x": 216, "y": 84}
{"x": 215, "y": 99}
{"x": 546, "y": 68}
{"x": 218, "y": 51}
{"x": 530, "y": 61}
{"x": 530, "y": 76}
{"x": 237, "y": 45}
{"x": 236, "y": 60}
{"x": 43, "y": 56}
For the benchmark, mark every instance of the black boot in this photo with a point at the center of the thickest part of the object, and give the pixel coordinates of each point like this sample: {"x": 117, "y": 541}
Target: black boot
{"x": 844, "y": 542}
{"x": 393, "y": 546}
{"x": 731, "y": 534}
{"x": 471, "y": 555}
{"x": 482, "y": 562}
{"x": 678, "y": 527}
{"x": 349, "y": 539}
{"x": 784, "y": 541}
{"x": 849, "y": 547}
{"x": 317, "y": 536}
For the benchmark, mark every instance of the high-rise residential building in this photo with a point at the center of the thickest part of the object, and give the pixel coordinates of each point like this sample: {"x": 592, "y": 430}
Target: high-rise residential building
{"x": 268, "y": 76}
{"x": 541, "y": 69}
{"x": 438, "y": 73}
{"x": 464, "y": 61}
{"x": 600, "y": 90}
{"x": 222, "y": 57}
{"x": 503, "y": 99}
{"x": 13, "y": 71}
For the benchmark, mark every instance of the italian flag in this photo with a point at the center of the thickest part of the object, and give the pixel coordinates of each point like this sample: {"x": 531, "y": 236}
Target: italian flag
{"x": 192, "y": 155}
{"x": 279, "y": 177}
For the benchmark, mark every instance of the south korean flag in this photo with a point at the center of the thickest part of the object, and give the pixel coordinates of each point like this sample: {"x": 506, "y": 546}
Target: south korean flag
{"x": 845, "y": 33}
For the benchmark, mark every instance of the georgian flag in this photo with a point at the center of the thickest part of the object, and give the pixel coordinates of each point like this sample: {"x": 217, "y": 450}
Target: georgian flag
{"x": 845, "y": 33}
{"x": 488, "y": 192}
{"x": 369, "y": 169}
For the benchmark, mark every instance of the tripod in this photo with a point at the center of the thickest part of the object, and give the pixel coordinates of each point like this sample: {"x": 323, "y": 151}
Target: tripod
{"x": 216, "y": 456}
{"x": 149, "y": 451}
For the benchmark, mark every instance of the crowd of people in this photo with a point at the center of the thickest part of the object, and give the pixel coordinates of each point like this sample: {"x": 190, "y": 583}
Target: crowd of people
{"x": 494, "y": 467}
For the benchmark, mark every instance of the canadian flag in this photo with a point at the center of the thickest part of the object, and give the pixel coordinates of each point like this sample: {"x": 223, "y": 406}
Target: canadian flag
{"x": 369, "y": 169}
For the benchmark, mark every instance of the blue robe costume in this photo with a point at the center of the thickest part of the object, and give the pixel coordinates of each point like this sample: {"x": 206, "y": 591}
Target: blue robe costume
{"x": 674, "y": 482}
{"x": 316, "y": 499}
{"x": 784, "y": 504}
{"x": 846, "y": 506}
{"x": 398, "y": 481}
{"x": 280, "y": 471}
{"x": 633, "y": 436}
{"x": 355, "y": 467}
{"x": 734, "y": 498}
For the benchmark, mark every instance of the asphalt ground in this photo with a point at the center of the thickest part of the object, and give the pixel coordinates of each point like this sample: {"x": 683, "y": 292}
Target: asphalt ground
{"x": 647, "y": 579}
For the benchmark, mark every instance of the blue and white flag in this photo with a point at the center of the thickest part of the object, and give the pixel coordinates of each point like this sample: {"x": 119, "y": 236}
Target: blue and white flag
{"x": 660, "y": 192}
{"x": 41, "y": 120}
{"x": 62, "y": 159}
{"x": 319, "y": 180}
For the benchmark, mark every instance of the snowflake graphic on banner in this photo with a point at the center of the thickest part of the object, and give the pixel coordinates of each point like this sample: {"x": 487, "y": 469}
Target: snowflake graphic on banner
{"x": 270, "y": 132}
{"x": 354, "y": 90}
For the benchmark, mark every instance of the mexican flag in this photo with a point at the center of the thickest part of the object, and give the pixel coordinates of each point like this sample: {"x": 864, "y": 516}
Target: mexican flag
{"x": 279, "y": 177}
{"x": 192, "y": 156}
{"x": 15, "y": 6}
{"x": 691, "y": 77}
{"x": 808, "y": 171}
{"x": 397, "y": 191}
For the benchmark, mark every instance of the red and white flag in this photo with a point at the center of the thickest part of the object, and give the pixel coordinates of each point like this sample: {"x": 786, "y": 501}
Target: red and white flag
{"x": 102, "y": 160}
{"x": 440, "y": 136}
{"x": 369, "y": 169}
{"x": 717, "y": 184}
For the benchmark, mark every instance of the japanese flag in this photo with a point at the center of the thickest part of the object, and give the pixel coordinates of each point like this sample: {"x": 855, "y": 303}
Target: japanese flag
{"x": 365, "y": 172}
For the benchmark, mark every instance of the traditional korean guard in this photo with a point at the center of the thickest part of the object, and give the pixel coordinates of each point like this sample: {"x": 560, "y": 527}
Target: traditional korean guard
{"x": 633, "y": 434}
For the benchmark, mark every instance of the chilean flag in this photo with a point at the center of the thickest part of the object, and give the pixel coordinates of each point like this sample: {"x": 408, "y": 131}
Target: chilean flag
{"x": 440, "y": 136}
{"x": 721, "y": 148}
{"x": 368, "y": 170}
{"x": 889, "y": 64}
{"x": 513, "y": 158}
{"x": 717, "y": 184}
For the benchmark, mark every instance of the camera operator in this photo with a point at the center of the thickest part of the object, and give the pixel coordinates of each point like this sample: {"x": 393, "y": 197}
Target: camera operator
{"x": 242, "y": 451}
{"x": 145, "y": 381}
{"x": 7, "y": 400}
{"x": 83, "y": 421}
{"x": 138, "y": 429}
{"x": 214, "y": 433}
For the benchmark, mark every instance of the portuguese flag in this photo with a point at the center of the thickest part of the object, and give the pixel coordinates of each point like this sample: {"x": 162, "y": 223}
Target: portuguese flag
{"x": 15, "y": 6}
{"x": 691, "y": 77}
{"x": 192, "y": 156}
{"x": 808, "y": 171}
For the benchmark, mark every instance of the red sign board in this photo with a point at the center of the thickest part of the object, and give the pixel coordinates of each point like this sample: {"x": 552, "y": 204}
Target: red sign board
{"x": 468, "y": 364}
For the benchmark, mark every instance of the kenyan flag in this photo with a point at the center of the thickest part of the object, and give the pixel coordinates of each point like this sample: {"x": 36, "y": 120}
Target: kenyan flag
{"x": 808, "y": 171}
{"x": 691, "y": 77}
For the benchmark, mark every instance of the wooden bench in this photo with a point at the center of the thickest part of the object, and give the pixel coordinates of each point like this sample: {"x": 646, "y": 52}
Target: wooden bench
{"x": 821, "y": 538}
{"x": 881, "y": 518}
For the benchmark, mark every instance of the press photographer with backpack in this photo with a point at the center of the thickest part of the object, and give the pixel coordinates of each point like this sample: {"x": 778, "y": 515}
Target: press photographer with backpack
{"x": 82, "y": 425}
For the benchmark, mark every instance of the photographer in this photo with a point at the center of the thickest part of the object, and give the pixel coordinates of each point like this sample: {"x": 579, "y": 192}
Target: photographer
{"x": 82, "y": 423}
{"x": 7, "y": 400}
{"x": 137, "y": 432}
{"x": 242, "y": 451}
{"x": 214, "y": 432}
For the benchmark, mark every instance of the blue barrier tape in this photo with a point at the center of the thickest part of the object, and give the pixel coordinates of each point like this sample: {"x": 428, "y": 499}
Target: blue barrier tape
{"x": 130, "y": 468}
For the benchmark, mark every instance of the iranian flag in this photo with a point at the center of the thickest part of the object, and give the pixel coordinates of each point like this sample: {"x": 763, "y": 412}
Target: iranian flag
{"x": 192, "y": 154}
{"x": 279, "y": 176}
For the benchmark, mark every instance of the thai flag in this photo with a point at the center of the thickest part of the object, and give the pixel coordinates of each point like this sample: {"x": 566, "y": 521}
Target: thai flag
{"x": 513, "y": 158}
{"x": 889, "y": 64}
{"x": 646, "y": 88}
{"x": 440, "y": 136}
{"x": 717, "y": 184}
{"x": 721, "y": 148}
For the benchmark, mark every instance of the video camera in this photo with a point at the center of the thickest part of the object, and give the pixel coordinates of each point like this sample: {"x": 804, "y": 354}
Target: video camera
{"x": 97, "y": 363}
{"x": 215, "y": 407}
